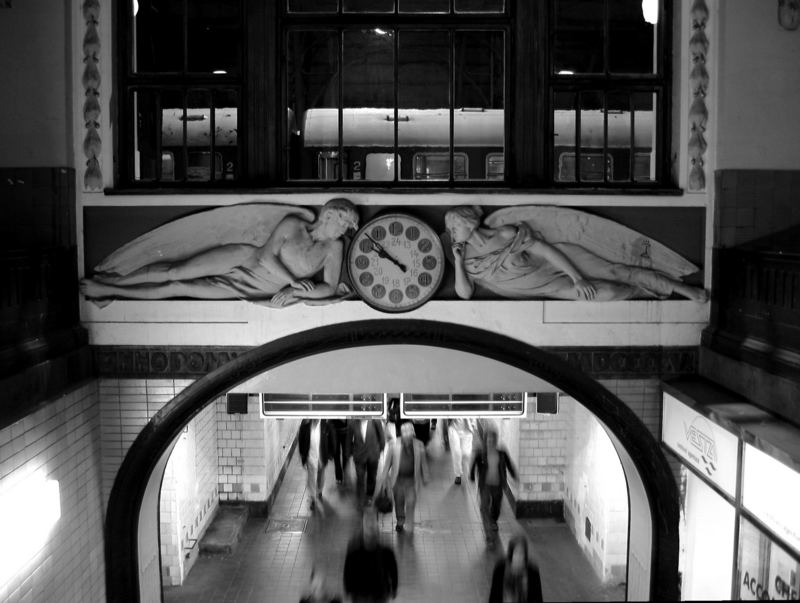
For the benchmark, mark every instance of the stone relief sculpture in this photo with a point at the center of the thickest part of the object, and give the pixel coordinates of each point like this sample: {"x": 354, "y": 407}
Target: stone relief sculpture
{"x": 535, "y": 252}
{"x": 263, "y": 252}
{"x": 698, "y": 85}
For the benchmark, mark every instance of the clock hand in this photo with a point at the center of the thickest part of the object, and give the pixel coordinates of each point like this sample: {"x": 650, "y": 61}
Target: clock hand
{"x": 382, "y": 253}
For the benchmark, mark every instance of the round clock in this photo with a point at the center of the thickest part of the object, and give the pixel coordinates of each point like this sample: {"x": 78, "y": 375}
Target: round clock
{"x": 395, "y": 262}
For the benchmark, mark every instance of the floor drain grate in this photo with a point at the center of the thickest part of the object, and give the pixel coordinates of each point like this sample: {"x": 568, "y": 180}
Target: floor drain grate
{"x": 286, "y": 526}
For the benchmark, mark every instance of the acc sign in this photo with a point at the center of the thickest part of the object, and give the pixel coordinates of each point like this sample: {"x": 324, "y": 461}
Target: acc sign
{"x": 710, "y": 449}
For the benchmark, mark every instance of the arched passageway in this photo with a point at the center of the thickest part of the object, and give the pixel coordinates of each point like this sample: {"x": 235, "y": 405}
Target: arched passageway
{"x": 653, "y": 525}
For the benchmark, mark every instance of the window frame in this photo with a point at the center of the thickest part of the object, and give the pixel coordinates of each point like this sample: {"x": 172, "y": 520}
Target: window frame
{"x": 529, "y": 85}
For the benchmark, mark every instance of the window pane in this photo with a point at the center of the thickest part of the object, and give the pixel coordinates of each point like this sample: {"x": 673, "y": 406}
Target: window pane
{"x": 158, "y": 40}
{"x": 201, "y": 163}
{"x": 226, "y": 132}
{"x": 631, "y": 39}
{"x": 423, "y": 95}
{"x": 564, "y": 117}
{"x": 214, "y": 34}
{"x": 313, "y": 6}
{"x": 424, "y": 6}
{"x": 368, "y": 6}
{"x": 147, "y": 108}
{"x": 313, "y": 102}
{"x": 368, "y": 95}
{"x": 619, "y": 135}
{"x": 578, "y": 40}
{"x": 592, "y": 167}
{"x": 644, "y": 127}
{"x": 479, "y": 6}
{"x": 479, "y": 107}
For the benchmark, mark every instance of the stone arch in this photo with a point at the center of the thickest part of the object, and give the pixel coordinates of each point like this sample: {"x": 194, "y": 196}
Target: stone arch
{"x": 140, "y": 473}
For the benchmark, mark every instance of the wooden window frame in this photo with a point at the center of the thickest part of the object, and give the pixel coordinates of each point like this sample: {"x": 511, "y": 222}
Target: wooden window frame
{"x": 529, "y": 85}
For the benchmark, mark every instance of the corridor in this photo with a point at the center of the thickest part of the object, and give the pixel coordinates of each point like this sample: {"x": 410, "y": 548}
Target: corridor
{"x": 445, "y": 560}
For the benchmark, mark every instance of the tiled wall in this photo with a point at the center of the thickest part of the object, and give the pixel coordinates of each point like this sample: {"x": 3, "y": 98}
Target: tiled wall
{"x": 544, "y": 439}
{"x": 58, "y": 442}
{"x": 126, "y": 405}
{"x": 252, "y": 452}
{"x": 751, "y": 204}
{"x": 596, "y": 495}
{"x": 189, "y": 496}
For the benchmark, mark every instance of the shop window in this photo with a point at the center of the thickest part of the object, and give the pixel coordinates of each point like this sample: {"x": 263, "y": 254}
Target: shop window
{"x": 303, "y": 91}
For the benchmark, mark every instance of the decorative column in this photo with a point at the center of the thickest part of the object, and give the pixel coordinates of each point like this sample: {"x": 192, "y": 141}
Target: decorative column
{"x": 698, "y": 86}
{"x": 92, "y": 144}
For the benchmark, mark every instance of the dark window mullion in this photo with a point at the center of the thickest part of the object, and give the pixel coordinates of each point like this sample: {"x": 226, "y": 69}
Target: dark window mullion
{"x": 159, "y": 129}
{"x": 340, "y": 113}
{"x": 213, "y": 134}
{"x": 396, "y": 87}
{"x": 452, "y": 94}
{"x": 604, "y": 158}
{"x": 185, "y": 147}
{"x": 578, "y": 109}
{"x": 632, "y": 144}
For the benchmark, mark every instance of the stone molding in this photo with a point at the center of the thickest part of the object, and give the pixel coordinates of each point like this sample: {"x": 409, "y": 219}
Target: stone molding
{"x": 196, "y": 361}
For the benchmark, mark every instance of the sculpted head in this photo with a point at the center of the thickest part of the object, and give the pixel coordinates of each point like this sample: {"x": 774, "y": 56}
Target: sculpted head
{"x": 461, "y": 220}
{"x": 340, "y": 214}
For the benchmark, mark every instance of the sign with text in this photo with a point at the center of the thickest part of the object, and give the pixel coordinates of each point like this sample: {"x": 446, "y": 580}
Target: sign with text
{"x": 463, "y": 405}
{"x": 766, "y": 570}
{"x": 712, "y": 450}
{"x": 771, "y": 492}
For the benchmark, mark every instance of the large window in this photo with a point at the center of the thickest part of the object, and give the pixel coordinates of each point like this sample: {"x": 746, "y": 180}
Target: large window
{"x": 387, "y": 93}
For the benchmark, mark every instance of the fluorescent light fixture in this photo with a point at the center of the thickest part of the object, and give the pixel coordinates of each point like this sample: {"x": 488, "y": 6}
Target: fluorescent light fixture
{"x": 219, "y": 72}
{"x": 28, "y": 512}
{"x": 135, "y": 7}
{"x": 650, "y": 11}
{"x": 379, "y": 31}
{"x": 566, "y": 72}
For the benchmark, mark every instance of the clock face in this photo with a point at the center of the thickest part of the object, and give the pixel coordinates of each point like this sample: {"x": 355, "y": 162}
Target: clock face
{"x": 396, "y": 262}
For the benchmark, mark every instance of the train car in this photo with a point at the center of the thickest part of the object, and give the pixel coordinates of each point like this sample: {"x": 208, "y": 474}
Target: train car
{"x": 423, "y": 152}
{"x": 478, "y": 145}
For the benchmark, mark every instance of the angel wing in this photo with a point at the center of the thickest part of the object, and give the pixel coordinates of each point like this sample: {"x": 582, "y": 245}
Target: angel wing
{"x": 604, "y": 237}
{"x": 249, "y": 223}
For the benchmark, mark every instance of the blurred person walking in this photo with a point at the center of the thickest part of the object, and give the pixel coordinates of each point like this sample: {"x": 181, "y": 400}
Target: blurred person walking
{"x": 516, "y": 576}
{"x": 364, "y": 443}
{"x": 317, "y": 442}
{"x": 406, "y": 469}
{"x": 493, "y": 465}
{"x": 370, "y": 568}
{"x": 459, "y": 433}
{"x": 340, "y": 452}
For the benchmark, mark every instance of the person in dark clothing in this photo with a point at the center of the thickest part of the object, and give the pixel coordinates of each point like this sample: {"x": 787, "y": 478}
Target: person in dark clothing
{"x": 516, "y": 577}
{"x": 316, "y": 442}
{"x": 493, "y": 465}
{"x": 393, "y": 415}
{"x": 317, "y": 590}
{"x": 364, "y": 442}
{"x": 370, "y": 568}
{"x": 340, "y": 452}
{"x": 422, "y": 430}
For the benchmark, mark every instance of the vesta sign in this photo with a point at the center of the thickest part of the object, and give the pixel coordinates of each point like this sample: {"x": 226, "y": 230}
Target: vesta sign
{"x": 710, "y": 449}
{"x": 699, "y": 436}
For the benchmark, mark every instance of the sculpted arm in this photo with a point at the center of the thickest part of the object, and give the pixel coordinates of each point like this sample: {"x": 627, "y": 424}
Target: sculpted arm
{"x": 464, "y": 285}
{"x": 330, "y": 275}
{"x": 583, "y": 288}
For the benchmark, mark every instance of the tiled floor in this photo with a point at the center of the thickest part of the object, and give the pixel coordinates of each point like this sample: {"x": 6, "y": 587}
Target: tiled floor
{"x": 444, "y": 561}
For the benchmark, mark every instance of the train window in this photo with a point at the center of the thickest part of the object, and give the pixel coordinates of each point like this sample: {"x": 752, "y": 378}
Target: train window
{"x": 436, "y": 166}
{"x": 495, "y": 166}
{"x": 380, "y": 166}
{"x": 591, "y": 167}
